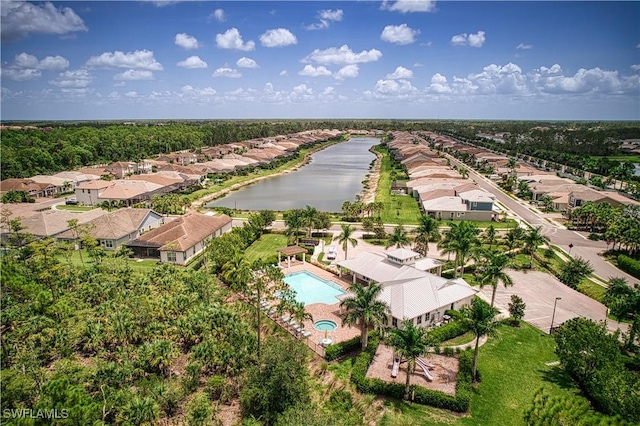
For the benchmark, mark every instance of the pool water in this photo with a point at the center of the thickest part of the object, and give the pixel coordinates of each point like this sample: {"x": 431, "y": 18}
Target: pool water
{"x": 312, "y": 289}
{"x": 325, "y": 325}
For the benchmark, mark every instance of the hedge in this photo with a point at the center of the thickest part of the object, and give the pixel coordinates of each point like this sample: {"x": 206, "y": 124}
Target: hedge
{"x": 337, "y": 350}
{"x": 458, "y": 403}
{"x": 449, "y": 331}
{"x": 629, "y": 265}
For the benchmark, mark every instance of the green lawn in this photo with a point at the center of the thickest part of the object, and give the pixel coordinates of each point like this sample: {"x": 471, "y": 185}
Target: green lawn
{"x": 513, "y": 367}
{"x": 632, "y": 158}
{"x": 265, "y": 247}
{"x": 75, "y": 208}
{"x": 76, "y": 259}
{"x": 402, "y": 209}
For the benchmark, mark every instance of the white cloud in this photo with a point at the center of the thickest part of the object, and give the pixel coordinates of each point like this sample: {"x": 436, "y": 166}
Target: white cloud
{"x": 140, "y": 59}
{"x": 311, "y": 71}
{"x": 325, "y": 17}
{"x": 198, "y": 92}
{"x": 186, "y": 41}
{"x": 342, "y": 55}
{"x": 219, "y": 15}
{"x": 400, "y": 88}
{"x": 524, "y": 46}
{"x": 635, "y": 67}
{"x": 245, "y": 62}
{"x": 131, "y": 94}
{"x": 503, "y": 79}
{"x": 278, "y": 37}
{"x": 473, "y": 40}
{"x": 554, "y": 80}
{"x": 192, "y": 62}
{"x": 19, "y": 19}
{"x": 283, "y": 73}
{"x": 24, "y": 74}
{"x": 399, "y": 34}
{"x": 227, "y": 72}
{"x": 348, "y": 71}
{"x": 400, "y": 72}
{"x": 302, "y": 92}
{"x": 231, "y": 39}
{"x": 50, "y": 63}
{"x": 131, "y": 75}
{"x": 408, "y": 6}
{"x": 439, "y": 84}
{"x": 77, "y": 78}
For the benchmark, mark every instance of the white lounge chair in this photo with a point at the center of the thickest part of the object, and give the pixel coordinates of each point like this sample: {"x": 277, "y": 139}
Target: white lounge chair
{"x": 395, "y": 368}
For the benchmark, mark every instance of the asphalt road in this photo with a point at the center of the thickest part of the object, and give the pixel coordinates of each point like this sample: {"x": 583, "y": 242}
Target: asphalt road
{"x": 558, "y": 236}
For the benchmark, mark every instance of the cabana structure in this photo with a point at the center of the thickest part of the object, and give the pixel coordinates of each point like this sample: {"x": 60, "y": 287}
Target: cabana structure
{"x": 291, "y": 251}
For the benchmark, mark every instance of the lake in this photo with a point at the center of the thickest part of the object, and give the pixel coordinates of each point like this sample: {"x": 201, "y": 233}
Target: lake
{"x": 333, "y": 176}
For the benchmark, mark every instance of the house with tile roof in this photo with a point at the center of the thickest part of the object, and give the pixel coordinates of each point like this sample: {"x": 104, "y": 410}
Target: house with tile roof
{"x": 181, "y": 239}
{"x": 88, "y": 192}
{"x": 118, "y": 227}
{"x": 410, "y": 292}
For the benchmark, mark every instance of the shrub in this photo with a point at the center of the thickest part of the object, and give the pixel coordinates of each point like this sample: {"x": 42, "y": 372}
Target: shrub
{"x": 338, "y": 350}
{"x": 448, "y": 351}
{"x": 449, "y": 331}
{"x": 341, "y": 400}
{"x": 629, "y": 265}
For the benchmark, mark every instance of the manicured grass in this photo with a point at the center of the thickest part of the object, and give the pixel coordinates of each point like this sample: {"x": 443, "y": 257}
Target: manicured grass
{"x": 513, "y": 367}
{"x": 144, "y": 265}
{"x": 265, "y": 247}
{"x": 402, "y": 209}
{"x": 508, "y": 224}
{"x": 592, "y": 289}
{"x": 75, "y": 208}
{"x": 460, "y": 340}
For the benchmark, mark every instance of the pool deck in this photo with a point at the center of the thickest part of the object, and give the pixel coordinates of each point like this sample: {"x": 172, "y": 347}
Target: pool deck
{"x": 321, "y": 311}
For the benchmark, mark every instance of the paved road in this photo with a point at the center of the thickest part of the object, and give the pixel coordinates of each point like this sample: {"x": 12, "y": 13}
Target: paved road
{"x": 558, "y": 236}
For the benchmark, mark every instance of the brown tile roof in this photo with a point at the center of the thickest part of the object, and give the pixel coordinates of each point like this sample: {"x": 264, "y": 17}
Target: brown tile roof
{"x": 183, "y": 232}
{"x": 115, "y": 225}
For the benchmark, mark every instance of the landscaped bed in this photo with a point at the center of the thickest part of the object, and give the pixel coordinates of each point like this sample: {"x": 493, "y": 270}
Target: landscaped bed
{"x": 444, "y": 373}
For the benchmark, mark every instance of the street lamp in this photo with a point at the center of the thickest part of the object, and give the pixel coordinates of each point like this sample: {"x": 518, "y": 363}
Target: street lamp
{"x": 553, "y": 317}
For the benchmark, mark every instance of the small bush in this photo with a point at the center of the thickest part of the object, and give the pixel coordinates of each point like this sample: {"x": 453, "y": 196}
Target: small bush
{"x": 629, "y": 265}
{"x": 341, "y": 400}
{"x": 215, "y": 386}
{"x": 338, "y": 350}
{"x": 448, "y": 351}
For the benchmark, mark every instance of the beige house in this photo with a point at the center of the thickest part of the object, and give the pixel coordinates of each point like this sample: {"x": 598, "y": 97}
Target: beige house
{"x": 88, "y": 192}
{"x": 410, "y": 292}
{"x": 181, "y": 239}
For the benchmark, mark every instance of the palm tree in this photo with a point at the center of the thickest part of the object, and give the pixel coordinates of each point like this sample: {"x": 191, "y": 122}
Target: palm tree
{"x": 365, "y": 309}
{"x": 461, "y": 239}
{"x": 409, "y": 342}
{"x": 236, "y": 272}
{"x": 490, "y": 235}
{"x": 399, "y": 237}
{"x": 309, "y": 215}
{"x": 427, "y": 231}
{"x": 464, "y": 172}
{"x": 532, "y": 239}
{"x": 492, "y": 272}
{"x": 345, "y": 238}
{"x": 512, "y": 164}
{"x": 481, "y": 320}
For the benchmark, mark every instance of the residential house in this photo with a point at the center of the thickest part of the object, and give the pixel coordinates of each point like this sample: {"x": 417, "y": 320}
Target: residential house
{"x": 578, "y": 198}
{"x": 88, "y": 192}
{"x": 410, "y": 292}
{"x": 180, "y": 240}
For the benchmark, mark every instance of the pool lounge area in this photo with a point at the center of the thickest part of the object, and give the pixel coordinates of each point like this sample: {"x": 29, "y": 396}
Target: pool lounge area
{"x": 322, "y": 312}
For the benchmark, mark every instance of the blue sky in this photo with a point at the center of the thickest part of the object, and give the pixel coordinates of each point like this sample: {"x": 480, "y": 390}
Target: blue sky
{"x": 310, "y": 59}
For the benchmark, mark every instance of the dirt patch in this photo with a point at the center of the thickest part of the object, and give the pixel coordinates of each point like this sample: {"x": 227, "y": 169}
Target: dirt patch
{"x": 229, "y": 414}
{"x": 444, "y": 371}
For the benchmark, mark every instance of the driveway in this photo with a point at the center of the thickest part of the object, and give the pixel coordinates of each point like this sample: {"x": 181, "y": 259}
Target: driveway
{"x": 539, "y": 291}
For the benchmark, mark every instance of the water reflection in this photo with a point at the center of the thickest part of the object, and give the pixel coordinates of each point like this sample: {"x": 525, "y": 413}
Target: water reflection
{"x": 333, "y": 176}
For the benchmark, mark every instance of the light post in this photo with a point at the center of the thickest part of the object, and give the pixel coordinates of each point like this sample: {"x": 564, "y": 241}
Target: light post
{"x": 553, "y": 317}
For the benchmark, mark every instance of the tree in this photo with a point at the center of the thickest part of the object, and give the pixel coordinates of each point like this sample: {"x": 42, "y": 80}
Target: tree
{"x": 237, "y": 272}
{"x": 426, "y": 231}
{"x": 481, "y": 320}
{"x": 365, "y": 309}
{"x": 492, "y": 272}
{"x": 409, "y": 342}
{"x": 574, "y": 271}
{"x": 399, "y": 237}
{"x": 490, "y": 235}
{"x": 461, "y": 239}
{"x": 532, "y": 239}
{"x": 623, "y": 302}
{"x": 514, "y": 237}
{"x": 279, "y": 382}
{"x": 345, "y": 238}
{"x": 516, "y": 309}
{"x": 309, "y": 215}
{"x": 294, "y": 221}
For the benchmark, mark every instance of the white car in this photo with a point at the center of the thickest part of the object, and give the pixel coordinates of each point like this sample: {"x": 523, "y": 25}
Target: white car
{"x": 332, "y": 253}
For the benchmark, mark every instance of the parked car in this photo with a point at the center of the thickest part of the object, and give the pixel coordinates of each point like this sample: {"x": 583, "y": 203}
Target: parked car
{"x": 71, "y": 201}
{"x": 332, "y": 253}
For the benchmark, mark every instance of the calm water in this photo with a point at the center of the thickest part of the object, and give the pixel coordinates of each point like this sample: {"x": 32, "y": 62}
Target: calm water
{"x": 333, "y": 176}
{"x": 311, "y": 289}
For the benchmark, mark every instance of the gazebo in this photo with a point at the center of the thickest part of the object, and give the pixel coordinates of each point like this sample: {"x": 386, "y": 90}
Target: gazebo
{"x": 291, "y": 251}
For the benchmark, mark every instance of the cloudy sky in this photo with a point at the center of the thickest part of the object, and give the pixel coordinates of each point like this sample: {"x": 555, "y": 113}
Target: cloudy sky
{"x": 310, "y": 59}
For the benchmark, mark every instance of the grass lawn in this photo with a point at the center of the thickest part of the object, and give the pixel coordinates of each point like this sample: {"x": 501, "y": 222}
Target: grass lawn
{"x": 142, "y": 266}
{"x": 508, "y": 224}
{"x": 633, "y": 158}
{"x": 401, "y": 209}
{"x": 265, "y": 247}
{"x": 513, "y": 367}
{"x": 75, "y": 208}
{"x": 460, "y": 340}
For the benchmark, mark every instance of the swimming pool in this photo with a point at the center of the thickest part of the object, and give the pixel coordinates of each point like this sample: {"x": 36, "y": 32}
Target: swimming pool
{"x": 325, "y": 325}
{"x": 312, "y": 289}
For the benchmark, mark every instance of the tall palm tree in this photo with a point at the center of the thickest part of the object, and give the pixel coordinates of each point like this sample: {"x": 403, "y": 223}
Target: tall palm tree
{"x": 462, "y": 240}
{"x": 481, "y": 320}
{"x": 309, "y": 215}
{"x": 365, "y": 309}
{"x": 399, "y": 237}
{"x": 532, "y": 239}
{"x": 409, "y": 342}
{"x": 492, "y": 272}
{"x": 490, "y": 235}
{"x": 426, "y": 231}
{"x": 346, "y": 237}
{"x": 237, "y": 272}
